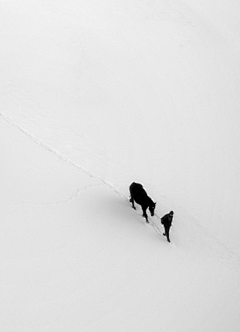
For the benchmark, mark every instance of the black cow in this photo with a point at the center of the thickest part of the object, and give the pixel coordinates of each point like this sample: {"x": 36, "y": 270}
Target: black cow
{"x": 139, "y": 195}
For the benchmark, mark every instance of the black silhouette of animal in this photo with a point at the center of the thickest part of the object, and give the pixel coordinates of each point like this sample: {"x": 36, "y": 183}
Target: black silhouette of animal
{"x": 167, "y": 223}
{"x": 139, "y": 195}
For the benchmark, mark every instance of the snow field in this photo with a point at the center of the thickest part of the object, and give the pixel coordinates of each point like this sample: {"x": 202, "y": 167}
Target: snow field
{"x": 94, "y": 96}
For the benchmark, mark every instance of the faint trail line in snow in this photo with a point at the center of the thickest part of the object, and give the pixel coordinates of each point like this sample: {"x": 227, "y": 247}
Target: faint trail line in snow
{"x": 66, "y": 201}
{"x": 61, "y": 156}
{"x": 44, "y": 145}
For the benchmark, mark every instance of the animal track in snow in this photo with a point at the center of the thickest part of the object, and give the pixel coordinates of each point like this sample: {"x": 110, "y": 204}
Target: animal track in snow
{"x": 75, "y": 195}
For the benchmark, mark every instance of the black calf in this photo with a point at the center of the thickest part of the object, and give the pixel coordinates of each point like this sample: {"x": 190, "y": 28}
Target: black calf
{"x": 139, "y": 195}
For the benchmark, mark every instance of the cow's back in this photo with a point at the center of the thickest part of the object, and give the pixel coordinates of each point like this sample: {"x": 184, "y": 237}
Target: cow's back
{"x": 137, "y": 192}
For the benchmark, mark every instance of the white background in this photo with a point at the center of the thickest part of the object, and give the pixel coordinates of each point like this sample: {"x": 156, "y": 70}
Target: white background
{"x": 95, "y": 95}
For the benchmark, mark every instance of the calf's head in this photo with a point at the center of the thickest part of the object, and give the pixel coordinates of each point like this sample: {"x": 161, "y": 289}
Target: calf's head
{"x": 152, "y": 208}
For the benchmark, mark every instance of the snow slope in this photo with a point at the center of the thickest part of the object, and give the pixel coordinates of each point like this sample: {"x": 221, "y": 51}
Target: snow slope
{"x": 97, "y": 95}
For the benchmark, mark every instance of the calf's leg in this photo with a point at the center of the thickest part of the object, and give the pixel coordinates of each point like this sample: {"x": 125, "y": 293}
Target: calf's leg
{"x": 145, "y": 213}
{"x": 132, "y": 201}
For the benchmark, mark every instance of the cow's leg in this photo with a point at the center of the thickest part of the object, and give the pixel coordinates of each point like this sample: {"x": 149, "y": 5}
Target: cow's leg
{"x": 145, "y": 213}
{"x": 132, "y": 201}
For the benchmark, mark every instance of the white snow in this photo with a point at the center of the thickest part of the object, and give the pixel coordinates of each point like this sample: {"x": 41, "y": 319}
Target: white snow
{"x": 95, "y": 95}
